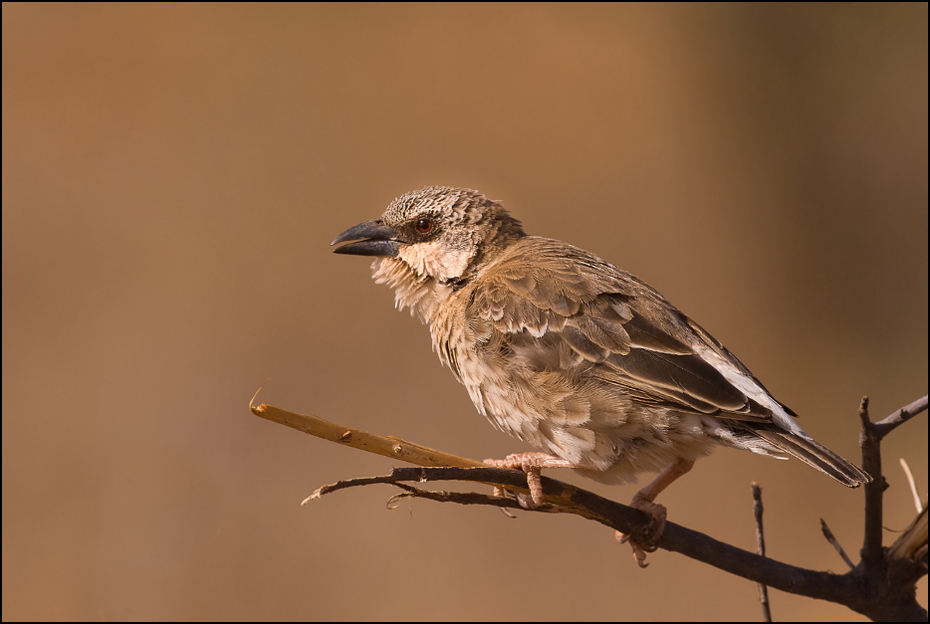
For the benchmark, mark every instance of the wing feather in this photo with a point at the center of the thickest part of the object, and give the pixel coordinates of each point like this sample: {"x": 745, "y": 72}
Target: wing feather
{"x": 623, "y": 331}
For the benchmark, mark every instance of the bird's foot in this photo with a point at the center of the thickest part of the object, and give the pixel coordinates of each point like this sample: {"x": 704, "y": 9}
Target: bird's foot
{"x": 532, "y": 464}
{"x": 646, "y": 538}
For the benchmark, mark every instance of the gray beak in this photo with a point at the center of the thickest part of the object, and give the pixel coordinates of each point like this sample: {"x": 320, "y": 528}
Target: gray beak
{"x": 373, "y": 238}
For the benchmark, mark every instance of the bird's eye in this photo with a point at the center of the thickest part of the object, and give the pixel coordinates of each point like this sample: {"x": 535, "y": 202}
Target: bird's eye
{"x": 425, "y": 226}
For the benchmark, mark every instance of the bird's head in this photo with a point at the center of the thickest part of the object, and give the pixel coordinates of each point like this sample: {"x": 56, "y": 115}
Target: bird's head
{"x": 438, "y": 232}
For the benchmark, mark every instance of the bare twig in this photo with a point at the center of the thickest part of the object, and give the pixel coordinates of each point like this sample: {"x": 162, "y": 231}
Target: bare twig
{"x": 911, "y": 483}
{"x": 388, "y": 446}
{"x": 827, "y": 533}
{"x": 760, "y": 550}
{"x": 897, "y": 418}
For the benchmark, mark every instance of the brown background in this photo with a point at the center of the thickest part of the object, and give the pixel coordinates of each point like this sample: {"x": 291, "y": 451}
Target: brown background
{"x": 172, "y": 178}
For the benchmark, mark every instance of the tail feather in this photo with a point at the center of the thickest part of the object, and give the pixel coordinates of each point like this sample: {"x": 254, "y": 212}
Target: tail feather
{"x": 813, "y": 454}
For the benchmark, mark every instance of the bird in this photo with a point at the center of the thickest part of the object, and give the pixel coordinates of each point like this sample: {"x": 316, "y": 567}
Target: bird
{"x": 578, "y": 358}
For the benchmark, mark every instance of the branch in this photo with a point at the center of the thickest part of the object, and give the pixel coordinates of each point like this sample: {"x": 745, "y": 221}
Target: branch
{"x": 856, "y": 589}
{"x": 872, "y": 558}
{"x": 760, "y": 549}
{"x": 388, "y": 446}
{"x": 901, "y": 416}
{"x": 675, "y": 538}
{"x": 890, "y": 574}
{"x": 827, "y": 533}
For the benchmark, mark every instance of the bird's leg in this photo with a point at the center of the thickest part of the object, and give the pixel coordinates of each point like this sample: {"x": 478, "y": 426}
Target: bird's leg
{"x": 646, "y": 539}
{"x": 531, "y": 464}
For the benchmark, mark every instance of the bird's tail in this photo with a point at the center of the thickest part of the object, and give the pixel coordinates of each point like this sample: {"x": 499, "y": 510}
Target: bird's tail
{"x": 813, "y": 454}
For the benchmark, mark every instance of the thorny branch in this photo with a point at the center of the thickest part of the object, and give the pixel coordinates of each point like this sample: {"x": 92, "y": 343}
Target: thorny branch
{"x": 882, "y": 586}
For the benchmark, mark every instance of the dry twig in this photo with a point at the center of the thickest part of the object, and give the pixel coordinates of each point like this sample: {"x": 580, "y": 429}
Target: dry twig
{"x": 760, "y": 549}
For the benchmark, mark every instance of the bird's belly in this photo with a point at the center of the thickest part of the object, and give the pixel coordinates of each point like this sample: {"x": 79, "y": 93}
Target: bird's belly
{"x": 594, "y": 426}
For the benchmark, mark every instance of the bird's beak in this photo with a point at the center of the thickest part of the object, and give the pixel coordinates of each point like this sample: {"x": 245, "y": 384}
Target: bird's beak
{"x": 373, "y": 238}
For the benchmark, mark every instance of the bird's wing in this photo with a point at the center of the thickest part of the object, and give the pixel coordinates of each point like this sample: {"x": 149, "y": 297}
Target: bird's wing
{"x": 619, "y": 330}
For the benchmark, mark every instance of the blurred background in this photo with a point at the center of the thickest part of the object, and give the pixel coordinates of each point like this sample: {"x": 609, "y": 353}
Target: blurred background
{"x": 173, "y": 176}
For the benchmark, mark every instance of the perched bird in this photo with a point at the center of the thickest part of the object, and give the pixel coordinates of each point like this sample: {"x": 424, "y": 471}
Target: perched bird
{"x": 565, "y": 351}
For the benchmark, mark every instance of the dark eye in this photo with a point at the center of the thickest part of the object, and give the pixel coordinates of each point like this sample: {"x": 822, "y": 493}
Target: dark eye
{"x": 425, "y": 226}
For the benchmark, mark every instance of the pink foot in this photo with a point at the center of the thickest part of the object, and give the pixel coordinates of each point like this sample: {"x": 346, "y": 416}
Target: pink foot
{"x": 532, "y": 464}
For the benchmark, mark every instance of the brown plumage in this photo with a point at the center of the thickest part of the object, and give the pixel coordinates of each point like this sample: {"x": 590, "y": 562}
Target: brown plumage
{"x": 559, "y": 348}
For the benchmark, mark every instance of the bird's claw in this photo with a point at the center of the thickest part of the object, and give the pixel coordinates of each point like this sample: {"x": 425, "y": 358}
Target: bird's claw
{"x": 645, "y": 539}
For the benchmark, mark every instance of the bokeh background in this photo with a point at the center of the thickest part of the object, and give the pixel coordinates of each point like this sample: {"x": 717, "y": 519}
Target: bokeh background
{"x": 173, "y": 176}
